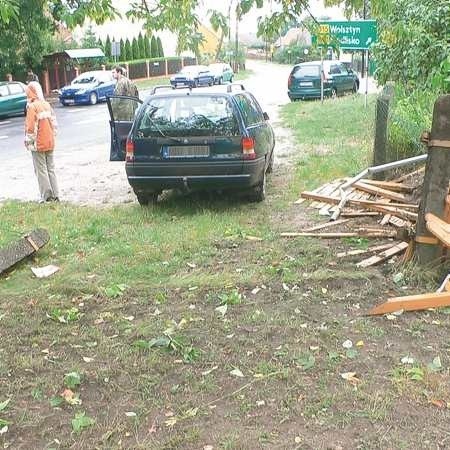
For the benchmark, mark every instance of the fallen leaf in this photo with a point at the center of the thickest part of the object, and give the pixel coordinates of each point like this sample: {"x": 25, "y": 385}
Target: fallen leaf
{"x": 255, "y": 290}
{"x": 350, "y": 376}
{"x": 44, "y": 272}
{"x": 360, "y": 344}
{"x": 347, "y": 344}
{"x": 324, "y": 290}
{"x": 191, "y": 265}
{"x": 237, "y": 373}
{"x": 99, "y": 321}
{"x": 439, "y": 403}
{"x": 253, "y": 238}
{"x": 87, "y": 359}
{"x": 130, "y": 414}
{"x": 222, "y": 309}
{"x": 3, "y": 430}
{"x": 70, "y": 397}
{"x": 208, "y": 447}
{"x": 407, "y": 360}
{"x": 207, "y": 372}
{"x": 171, "y": 422}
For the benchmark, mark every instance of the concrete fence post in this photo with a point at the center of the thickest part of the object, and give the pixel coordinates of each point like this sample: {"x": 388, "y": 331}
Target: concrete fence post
{"x": 436, "y": 180}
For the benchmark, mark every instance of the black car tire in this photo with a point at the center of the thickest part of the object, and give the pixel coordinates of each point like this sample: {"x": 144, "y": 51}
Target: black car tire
{"x": 146, "y": 198}
{"x": 258, "y": 192}
{"x": 333, "y": 93}
{"x": 220, "y": 80}
{"x": 270, "y": 165}
{"x": 93, "y": 99}
{"x": 355, "y": 88}
{"x": 195, "y": 83}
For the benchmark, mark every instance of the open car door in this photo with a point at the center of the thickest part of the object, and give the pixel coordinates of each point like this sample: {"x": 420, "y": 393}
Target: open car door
{"x": 122, "y": 111}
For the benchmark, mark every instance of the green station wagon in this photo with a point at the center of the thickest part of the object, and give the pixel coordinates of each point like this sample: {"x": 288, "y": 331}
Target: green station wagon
{"x": 13, "y": 99}
{"x": 216, "y": 138}
{"x": 305, "y": 79}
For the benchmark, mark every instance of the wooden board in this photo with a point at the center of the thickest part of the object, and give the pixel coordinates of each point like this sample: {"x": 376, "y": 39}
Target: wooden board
{"x": 376, "y": 248}
{"x": 368, "y": 234}
{"x": 380, "y": 192}
{"x": 326, "y": 225}
{"x": 412, "y": 303}
{"x": 23, "y": 247}
{"x": 438, "y": 228}
{"x": 376, "y": 259}
{"x": 391, "y": 185}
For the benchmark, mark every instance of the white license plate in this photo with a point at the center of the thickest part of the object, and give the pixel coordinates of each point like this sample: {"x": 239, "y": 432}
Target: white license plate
{"x": 187, "y": 151}
{"x": 70, "y": 101}
{"x": 306, "y": 83}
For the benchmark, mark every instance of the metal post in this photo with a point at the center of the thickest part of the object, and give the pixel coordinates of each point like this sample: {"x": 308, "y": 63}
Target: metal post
{"x": 322, "y": 74}
{"x": 367, "y": 78}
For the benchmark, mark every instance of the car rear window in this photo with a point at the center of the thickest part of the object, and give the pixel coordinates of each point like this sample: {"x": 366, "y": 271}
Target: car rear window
{"x": 306, "y": 71}
{"x": 4, "y": 91}
{"x": 187, "y": 116}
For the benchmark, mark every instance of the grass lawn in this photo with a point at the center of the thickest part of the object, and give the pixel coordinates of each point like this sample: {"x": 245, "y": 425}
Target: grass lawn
{"x": 193, "y": 325}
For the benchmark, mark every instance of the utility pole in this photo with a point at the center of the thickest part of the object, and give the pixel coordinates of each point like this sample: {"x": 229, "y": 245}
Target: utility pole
{"x": 229, "y": 32}
{"x": 238, "y": 18}
{"x": 363, "y": 52}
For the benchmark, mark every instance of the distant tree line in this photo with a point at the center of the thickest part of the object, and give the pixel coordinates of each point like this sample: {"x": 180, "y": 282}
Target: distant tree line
{"x": 141, "y": 47}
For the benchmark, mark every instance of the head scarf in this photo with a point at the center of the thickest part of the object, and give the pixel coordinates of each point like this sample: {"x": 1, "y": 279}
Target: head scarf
{"x": 34, "y": 91}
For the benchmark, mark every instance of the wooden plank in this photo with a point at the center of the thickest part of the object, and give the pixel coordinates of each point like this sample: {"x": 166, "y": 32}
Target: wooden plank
{"x": 334, "y": 200}
{"x": 360, "y": 214}
{"x": 20, "y": 249}
{"x": 400, "y": 223}
{"x": 376, "y": 259}
{"x": 385, "y": 219}
{"x": 412, "y": 303}
{"x": 391, "y": 185}
{"x": 376, "y": 248}
{"x": 438, "y": 228}
{"x": 369, "y": 234}
{"x": 380, "y": 192}
{"x": 409, "y": 175}
{"x": 326, "y": 225}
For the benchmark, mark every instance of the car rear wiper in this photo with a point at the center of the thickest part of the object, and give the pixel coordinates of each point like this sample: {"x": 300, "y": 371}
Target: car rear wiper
{"x": 158, "y": 129}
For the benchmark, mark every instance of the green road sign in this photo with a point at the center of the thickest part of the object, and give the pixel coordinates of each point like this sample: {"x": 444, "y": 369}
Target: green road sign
{"x": 351, "y": 35}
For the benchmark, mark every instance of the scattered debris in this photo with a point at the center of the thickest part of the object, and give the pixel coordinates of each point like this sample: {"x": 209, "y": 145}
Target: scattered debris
{"x": 44, "y": 272}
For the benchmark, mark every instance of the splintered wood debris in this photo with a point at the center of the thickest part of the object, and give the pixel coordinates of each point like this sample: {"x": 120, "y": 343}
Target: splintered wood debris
{"x": 368, "y": 209}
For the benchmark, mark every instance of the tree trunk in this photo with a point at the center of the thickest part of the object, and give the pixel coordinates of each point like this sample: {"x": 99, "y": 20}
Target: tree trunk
{"x": 436, "y": 180}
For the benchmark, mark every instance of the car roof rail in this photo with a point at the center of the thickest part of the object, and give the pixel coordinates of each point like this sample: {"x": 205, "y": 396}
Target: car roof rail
{"x": 230, "y": 87}
{"x": 160, "y": 86}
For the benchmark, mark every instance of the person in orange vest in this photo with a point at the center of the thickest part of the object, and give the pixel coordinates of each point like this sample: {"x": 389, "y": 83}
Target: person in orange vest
{"x": 40, "y": 131}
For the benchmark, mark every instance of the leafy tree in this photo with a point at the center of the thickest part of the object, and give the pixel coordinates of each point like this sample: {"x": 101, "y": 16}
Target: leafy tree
{"x": 147, "y": 51}
{"x": 219, "y": 22}
{"x": 128, "y": 54}
{"x": 141, "y": 46}
{"x": 89, "y": 39}
{"x": 27, "y": 28}
{"x": 122, "y": 56}
{"x": 153, "y": 47}
{"x": 134, "y": 49}
{"x": 107, "y": 47}
{"x": 160, "y": 47}
{"x": 413, "y": 41}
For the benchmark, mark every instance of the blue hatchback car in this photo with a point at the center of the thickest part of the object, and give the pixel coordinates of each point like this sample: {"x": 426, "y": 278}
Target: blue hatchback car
{"x": 88, "y": 88}
{"x": 214, "y": 139}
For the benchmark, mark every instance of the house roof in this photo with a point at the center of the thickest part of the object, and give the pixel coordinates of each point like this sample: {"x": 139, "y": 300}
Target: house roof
{"x": 84, "y": 53}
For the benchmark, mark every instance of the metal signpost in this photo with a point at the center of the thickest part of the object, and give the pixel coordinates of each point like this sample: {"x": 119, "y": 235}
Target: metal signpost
{"x": 348, "y": 35}
{"x": 115, "y": 50}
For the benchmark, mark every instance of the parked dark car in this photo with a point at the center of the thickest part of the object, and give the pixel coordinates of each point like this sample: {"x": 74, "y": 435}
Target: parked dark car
{"x": 214, "y": 139}
{"x": 305, "y": 79}
{"x": 192, "y": 76}
{"x": 88, "y": 88}
{"x": 13, "y": 99}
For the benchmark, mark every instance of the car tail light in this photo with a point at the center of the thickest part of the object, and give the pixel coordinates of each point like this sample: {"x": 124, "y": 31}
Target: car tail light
{"x": 248, "y": 148}
{"x": 129, "y": 149}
